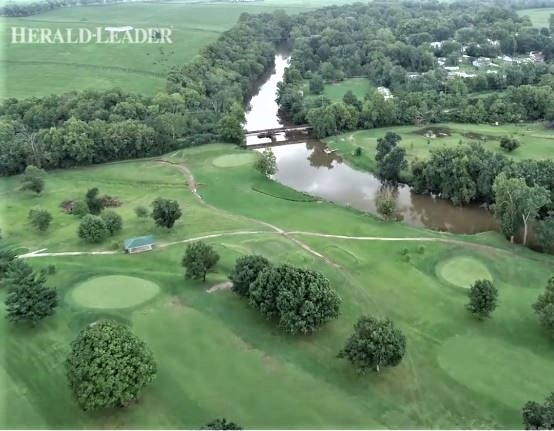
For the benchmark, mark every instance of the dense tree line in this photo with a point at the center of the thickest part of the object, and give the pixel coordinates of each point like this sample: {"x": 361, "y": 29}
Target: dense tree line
{"x": 397, "y": 46}
{"x": 204, "y": 102}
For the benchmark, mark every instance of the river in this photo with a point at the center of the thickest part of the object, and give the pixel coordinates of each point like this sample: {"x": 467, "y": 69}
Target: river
{"x": 308, "y": 166}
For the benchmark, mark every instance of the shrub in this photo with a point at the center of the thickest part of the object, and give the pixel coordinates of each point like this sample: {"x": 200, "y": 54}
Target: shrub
{"x": 93, "y": 229}
{"x": 113, "y": 221}
{"x": 40, "y": 218}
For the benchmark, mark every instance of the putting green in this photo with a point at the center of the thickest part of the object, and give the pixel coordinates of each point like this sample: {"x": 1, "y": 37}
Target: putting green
{"x": 462, "y": 271}
{"x": 230, "y": 160}
{"x": 113, "y": 291}
{"x": 468, "y": 360}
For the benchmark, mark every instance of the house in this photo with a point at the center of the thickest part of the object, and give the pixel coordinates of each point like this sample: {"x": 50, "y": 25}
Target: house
{"x": 385, "y": 92}
{"x": 482, "y": 62}
{"x": 139, "y": 244}
{"x": 536, "y": 56}
{"x": 452, "y": 68}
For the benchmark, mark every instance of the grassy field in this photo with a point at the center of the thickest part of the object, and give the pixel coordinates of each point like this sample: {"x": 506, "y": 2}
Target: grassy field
{"x": 537, "y": 142}
{"x": 335, "y": 91}
{"x": 41, "y": 69}
{"x": 217, "y": 357}
{"x": 539, "y": 17}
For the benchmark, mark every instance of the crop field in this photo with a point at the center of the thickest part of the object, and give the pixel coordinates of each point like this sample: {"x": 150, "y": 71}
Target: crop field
{"x": 42, "y": 69}
{"x": 537, "y": 142}
{"x": 539, "y": 17}
{"x": 218, "y": 358}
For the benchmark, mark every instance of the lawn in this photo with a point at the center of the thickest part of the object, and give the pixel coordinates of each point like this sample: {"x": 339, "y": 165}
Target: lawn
{"x": 537, "y": 142}
{"x": 335, "y": 91}
{"x": 539, "y": 17}
{"x": 215, "y": 355}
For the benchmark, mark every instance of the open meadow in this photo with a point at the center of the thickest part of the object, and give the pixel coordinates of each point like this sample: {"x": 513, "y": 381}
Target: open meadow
{"x": 218, "y": 358}
{"x": 539, "y": 17}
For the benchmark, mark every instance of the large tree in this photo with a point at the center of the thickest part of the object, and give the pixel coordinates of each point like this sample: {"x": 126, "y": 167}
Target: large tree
{"x": 199, "y": 259}
{"x": 113, "y": 221}
{"x": 483, "y": 296}
{"x": 7, "y": 256}
{"x": 537, "y": 416}
{"x": 390, "y": 158}
{"x": 92, "y": 229}
{"x": 108, "y": 366}
{"x": 374, "y": 344}
{"x": 29, "y": 300}
{"x": 33, "y": 179}
{"x": 517, "y": 204}
{"x": 40, "y": 218}
{"x": 245, "y": 272}
{"x": 301, "y": 300}
{"x": 165, "y": 212}
{"x": 544, "y": 307}
{"x": 94, "y": 202}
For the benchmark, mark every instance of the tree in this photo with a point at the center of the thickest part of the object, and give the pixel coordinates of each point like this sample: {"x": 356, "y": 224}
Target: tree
{"x": 544, "y": 231}
{"x": 93, "y": 229}
{"x": 300, "y": 300}
{"x": 509, "y": 144}
{"x": 199, "y": 258}
{"x": 108, "y": 366}
{"x": 141, "y": 212}
{"x": 7, "y": 256}
{"x": 165, "y": 212}
{"x": 385, "y": 203}
{"x": 221, "y": 424}
{"x": 33, "y": 179}
{"x": 267, "y": 163}
{"x": 374, "y": 344}
{"x": 245, "y": 272}
{"x": 390, "y": 158}
{"x": 517, "y": 204}
{"x": 483, "y": 296}
{"x": 113, "y": 221}
{"x": 230, "y": 126}
{"x": 28, "y": 299}
{"x": 80, "y": 208}
{"x": 94, "y": 202}
{"x": 316, "y": 84}
{"x": 544, "y": 307}
{"x": 40, "y": 218}
{"x": 538, "y": 416}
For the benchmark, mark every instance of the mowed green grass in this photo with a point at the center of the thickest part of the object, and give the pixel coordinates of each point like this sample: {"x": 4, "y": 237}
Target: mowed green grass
{"x": 113, "y": 291}
{"x": 537, "y": 142}
{"x": 539, "y": 17}
{"x": 42, "y": 69}
{"x": 335, "y": 91}
{"x": 463, "y": 271}
{"x": 218, "y": 358}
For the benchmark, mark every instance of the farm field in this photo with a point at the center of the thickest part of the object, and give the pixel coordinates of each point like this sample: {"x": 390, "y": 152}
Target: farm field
{"x": 539, "y": 17}
{"x": 214, "y": 353}
{"x": 537, "y": 142}
{"x": 41, "y": 69}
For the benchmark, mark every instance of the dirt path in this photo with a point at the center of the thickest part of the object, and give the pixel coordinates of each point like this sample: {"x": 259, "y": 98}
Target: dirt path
{"x": 221, "y": 286}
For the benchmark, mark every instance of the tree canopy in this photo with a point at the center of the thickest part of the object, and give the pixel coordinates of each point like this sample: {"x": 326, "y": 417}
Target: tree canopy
{"x": 40, "y": 218}
{"x": 301, "y": 300}
{"x": 33, "y": 179}
{"x": 93, "y": 229}
{"x": 374, "y": 344}
{"x": 165, "y": 212}
{"x": 199, "y": 259}
{"x": 245, "y": 272}
{"x": 267, "y": 163}
{"x": 537, "y": 416}
{"x": 483, "y": 297}
{"x": 108, "y": 366}
{"x": 544, "y": 307}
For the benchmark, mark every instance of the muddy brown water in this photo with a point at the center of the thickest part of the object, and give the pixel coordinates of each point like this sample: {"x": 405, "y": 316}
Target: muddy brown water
{"x": 307, "y": 165}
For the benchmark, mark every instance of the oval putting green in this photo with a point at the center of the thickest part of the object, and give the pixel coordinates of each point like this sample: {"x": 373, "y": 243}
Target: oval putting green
{"x": 230, "y": 160}
{"x": 463, "y": 271}
{"x": 113, "y": 291}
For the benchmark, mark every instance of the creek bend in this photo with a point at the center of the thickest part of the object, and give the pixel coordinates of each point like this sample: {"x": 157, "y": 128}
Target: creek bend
{"x": 307, "y": 165}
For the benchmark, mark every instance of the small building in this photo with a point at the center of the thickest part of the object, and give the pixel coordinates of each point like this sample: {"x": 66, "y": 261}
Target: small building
{"x": 139, "y": 244}
{"x": 385, "y": 92}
